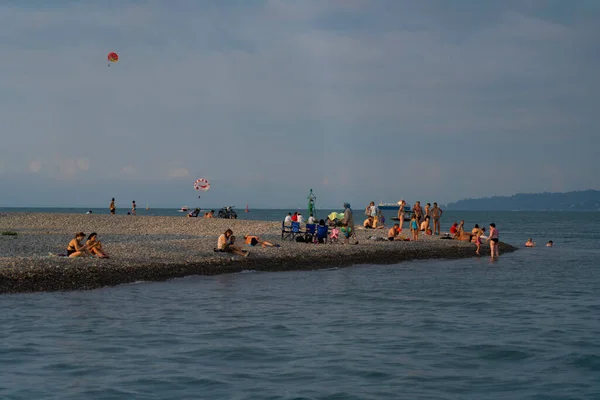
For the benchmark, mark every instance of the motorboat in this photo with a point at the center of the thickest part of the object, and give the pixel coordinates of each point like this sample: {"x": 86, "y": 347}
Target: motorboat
{"x": 184, "y": 209}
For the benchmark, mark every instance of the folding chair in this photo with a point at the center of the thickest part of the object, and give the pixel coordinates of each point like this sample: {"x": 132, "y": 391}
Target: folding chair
{"x": 322, "y": 233}
{"x": 286, "y": 230}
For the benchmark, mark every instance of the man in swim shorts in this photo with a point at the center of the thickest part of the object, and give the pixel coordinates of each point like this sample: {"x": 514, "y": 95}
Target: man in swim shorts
{"x": 436, "y": 214}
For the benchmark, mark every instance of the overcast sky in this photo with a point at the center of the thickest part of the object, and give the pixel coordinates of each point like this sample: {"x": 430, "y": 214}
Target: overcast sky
{"x": 358, "y": 99}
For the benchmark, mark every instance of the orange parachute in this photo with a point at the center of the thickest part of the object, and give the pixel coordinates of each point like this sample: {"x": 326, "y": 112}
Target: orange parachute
{"x": 112, "y": 58}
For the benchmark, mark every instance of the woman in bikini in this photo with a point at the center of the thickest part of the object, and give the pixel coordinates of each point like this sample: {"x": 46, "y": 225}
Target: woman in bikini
{"x": 95, "y": 246}
{"x": 254, "y": 240}
{"x": 75, "y": 248}
{"x": 493, "y": 240}
{"x": 401, "y": 213}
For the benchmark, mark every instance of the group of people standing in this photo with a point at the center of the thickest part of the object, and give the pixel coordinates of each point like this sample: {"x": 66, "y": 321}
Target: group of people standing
{"x": 422, "y": 217}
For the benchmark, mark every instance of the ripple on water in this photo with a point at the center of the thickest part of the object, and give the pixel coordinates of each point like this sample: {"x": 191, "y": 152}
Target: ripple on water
{"x": 434, "y": 329}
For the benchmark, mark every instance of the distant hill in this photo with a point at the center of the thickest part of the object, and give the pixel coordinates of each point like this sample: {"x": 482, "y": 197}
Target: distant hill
{"x": 586, "y": 200}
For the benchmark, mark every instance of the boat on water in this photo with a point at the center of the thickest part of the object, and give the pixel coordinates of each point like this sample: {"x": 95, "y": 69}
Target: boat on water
{"x": 392, "y": 206}
{"x": 246, "y": 210}
{"x": 184, "y": 209}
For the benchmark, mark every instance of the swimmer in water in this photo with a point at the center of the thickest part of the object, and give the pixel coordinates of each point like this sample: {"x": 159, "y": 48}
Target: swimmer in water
{"x": 530, "y": 243}
{"x": 550, "y": 243}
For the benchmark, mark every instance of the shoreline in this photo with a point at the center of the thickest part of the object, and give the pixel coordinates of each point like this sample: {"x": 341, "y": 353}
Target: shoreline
{"x": 162, "y": 248}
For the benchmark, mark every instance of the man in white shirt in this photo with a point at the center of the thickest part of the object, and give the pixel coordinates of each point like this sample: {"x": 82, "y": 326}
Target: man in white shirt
{"x": 311, "y": 219}
{"x": 300, "y": 218}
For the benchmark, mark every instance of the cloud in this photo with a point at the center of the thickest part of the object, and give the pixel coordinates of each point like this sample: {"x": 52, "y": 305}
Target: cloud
{"x": 129, "y": 171}
{"x": 35, "y": 166}
{"x": 178, "y": 173}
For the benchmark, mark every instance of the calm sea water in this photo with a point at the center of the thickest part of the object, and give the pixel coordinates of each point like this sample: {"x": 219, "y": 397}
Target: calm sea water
{"x": 523, "y": 327}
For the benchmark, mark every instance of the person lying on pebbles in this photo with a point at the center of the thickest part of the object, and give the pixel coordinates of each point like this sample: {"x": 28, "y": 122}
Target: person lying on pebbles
{"x": 254, "y": 240}
{"x": 225, "y": 244}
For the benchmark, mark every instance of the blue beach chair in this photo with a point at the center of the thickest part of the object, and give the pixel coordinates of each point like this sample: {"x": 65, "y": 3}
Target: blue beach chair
{"x": 322, "y": 233}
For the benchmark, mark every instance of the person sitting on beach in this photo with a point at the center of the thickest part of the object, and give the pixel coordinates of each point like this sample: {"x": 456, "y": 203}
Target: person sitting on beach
{"x": 425, "y": 224}
{"x": 195, "y": 213}
{"x": 295, "y": 216}
{"x": 550, "y": 243}
{"x": 530, "y": 243}
{"x": 225, "y": 243}
{"x": 394, "y": 233}
{"x": 368, "y": 223}
{"x": 311, "y": 219}
{"x": 461, "y": 227}
{"x": 300, "y": 218}
{"x": 254, "y": 240}
{"x": 322, "y": 231}
{"x": 210, "y": 214}
{"x": 95, "y": 246}
{"x": 414, "y": 227}
{"x": 75, "y": 248}
{"x": 288, "y": 219}
{"x": 381, "y": 219}
{"x": 454, "y": 229}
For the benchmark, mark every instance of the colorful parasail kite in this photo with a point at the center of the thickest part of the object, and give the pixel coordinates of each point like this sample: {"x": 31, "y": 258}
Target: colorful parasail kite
{"x": 112, "y": 58}
{"x": 201, "y": 184}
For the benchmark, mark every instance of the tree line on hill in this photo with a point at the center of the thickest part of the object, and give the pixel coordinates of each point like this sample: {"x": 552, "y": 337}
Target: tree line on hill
{"x": 585, "y": 200}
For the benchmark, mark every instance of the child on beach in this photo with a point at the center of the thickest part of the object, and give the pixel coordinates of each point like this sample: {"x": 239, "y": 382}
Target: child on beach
{"x": 225, "y": 244}
{"x": 478, "y": 240}
{"x": 95, "y": 246}
{"x": 334, "y": 235}
{"x": 75, "y": 248}
{"x": 414, "y": 227}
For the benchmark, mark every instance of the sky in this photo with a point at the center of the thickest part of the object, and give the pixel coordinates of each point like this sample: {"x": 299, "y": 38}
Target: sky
{"x": 359, "y": 100}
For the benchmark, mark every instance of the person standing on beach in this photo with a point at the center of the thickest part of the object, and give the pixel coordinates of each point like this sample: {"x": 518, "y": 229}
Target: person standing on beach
{"x": 414, "y": 227}
{"x": 372, "y": 211}
{"x": 401, "y": 213}
{"x": 112, "y": 207}
{"x": 349, "y": 222}
{"x": 493, "y": 240}
{"x": 418, "y": 211}
{"x": 133, "y": 207}
{"x": 436, "y": 214}
{"x": 426, "y": 216}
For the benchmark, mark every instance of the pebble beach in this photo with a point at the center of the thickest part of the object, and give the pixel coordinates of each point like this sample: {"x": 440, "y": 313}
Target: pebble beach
{"x": 153, "y": 248}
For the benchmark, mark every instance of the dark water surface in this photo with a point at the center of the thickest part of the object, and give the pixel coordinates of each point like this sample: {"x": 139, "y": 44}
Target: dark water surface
{"x": 526, "y": 326}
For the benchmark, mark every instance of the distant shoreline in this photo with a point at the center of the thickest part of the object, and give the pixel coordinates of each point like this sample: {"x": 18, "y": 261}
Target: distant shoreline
{"x": 163, "y": 248}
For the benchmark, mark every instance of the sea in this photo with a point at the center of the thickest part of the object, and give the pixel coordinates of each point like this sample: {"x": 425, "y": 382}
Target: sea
{"x": 523, "y": 326}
